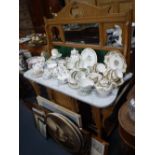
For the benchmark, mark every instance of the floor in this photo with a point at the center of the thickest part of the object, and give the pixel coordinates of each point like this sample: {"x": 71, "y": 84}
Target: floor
{"x": 32, "y": 142}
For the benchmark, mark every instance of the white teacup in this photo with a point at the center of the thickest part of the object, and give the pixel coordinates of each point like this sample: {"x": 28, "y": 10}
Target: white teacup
{"x": 104, "y": 88}
{"x": 100, "y": 68}
{"x": 95, "y": 77}
{"x": 54, "y": 52}
{"x": 116, "y": 77}
{"x": 117, "y": 74}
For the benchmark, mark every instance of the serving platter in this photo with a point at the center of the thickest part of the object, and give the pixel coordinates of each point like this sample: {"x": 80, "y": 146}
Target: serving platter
{"x": 89, "y": 57}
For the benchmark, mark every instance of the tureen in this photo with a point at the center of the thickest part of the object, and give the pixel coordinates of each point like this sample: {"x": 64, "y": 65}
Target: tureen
{"x": 115, "y": 60}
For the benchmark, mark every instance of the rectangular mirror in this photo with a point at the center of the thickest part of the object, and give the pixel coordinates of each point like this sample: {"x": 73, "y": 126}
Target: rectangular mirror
{"x": 82, "y": 33}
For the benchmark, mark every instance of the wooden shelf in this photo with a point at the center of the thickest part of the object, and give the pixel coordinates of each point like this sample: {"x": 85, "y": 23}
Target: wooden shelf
{"x": 78, "y": 45}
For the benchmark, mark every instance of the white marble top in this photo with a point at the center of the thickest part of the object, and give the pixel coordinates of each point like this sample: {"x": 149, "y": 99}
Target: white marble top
{"x": 92, "y": 99}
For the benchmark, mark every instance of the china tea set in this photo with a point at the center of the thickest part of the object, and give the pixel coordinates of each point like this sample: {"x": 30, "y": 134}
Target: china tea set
{"x": 82, "y": 71}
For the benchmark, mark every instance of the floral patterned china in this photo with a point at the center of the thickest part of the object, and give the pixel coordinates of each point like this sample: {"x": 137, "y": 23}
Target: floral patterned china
{"x": 51, "y": 64}
{"x": 33, "y": 60}
{"x": 38, "y": 69}
{"x": 95, "y": 77}
{"x": 63, "y": 75}
{"x": 72, "y": 82}
{"x": 115, "y": 77}
{"x": 89, "y": 57}
{"x": 73, "y": 59}
{"x": 47, "y": 74}
{"x": 80, "y": 75}
{"x": 104, "y": 87}
{"x": 81, "y": 71}
{"x": 115, "y": 60}
{"x": 100, "y": 68}
{"x": 86, "y": 86}
{"x": 62, "y": 62}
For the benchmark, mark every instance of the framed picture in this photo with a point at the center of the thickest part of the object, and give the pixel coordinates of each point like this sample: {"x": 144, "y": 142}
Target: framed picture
{"x": 53, "y": 107}
{"x": 39, "y": 117}
{"x": 98, "y": 146}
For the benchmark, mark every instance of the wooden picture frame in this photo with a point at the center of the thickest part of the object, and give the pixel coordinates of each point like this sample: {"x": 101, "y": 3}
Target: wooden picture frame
{"x": 39, "y": 118}
{"x": 98, "y": 146}
{"x": 51, "y": 106}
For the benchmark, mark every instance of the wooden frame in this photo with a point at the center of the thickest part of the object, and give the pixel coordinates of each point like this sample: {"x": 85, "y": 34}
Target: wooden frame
{"x": 39, "y": 118}
{"x": 98, "y": 146}
{"x": 117, "y": 6}
{"x": 84, "y": 15}
{"x": 53, "y": 107}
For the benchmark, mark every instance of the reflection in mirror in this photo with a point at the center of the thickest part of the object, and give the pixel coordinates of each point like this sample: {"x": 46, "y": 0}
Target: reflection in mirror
{"x": 55, "y": 34}
{"x": 82, "y": 33}
{"x": 114, "y": 36}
